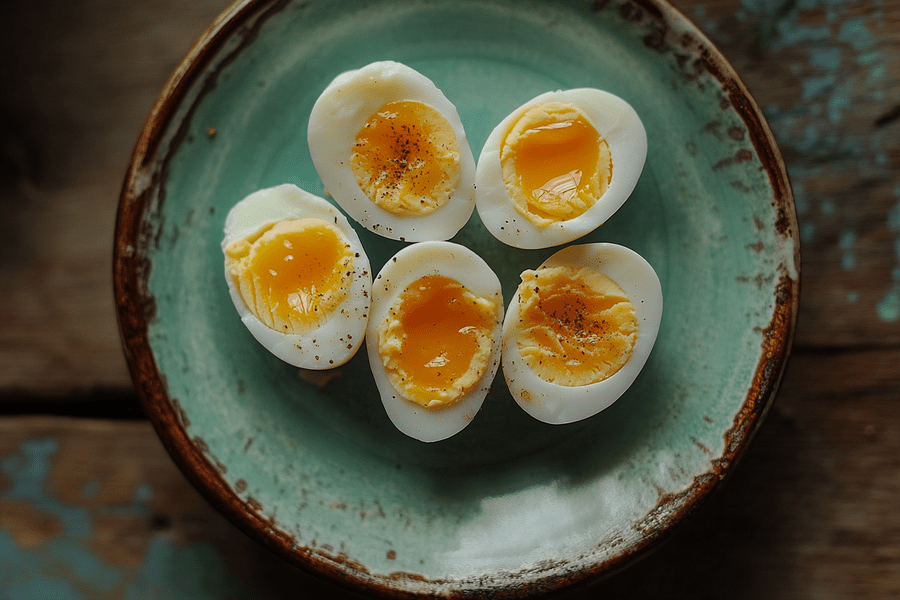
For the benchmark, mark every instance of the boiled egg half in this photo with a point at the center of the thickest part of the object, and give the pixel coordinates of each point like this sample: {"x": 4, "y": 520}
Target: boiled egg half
{"x": 434, "y": 337}
{"x": 579, "y": 329}
{"x": 298, "y": 276}
{"x": 559, "y": 166}
{"x": 391, "y": 149}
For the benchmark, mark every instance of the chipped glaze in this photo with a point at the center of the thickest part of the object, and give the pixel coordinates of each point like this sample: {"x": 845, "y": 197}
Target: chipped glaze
{"x": 312, "y": 468}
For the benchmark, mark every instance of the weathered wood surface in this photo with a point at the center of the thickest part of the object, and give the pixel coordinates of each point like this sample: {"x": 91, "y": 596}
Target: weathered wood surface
{"x": 97, "y": 508}
{"x": 94, "y": 508}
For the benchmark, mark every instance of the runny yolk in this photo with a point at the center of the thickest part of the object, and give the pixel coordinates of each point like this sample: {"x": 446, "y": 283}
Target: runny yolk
{"x": 555, "y": 164}
{"x": 406, "y": 158}
{"x": 292, "y": 275}
{"x": 297, "y": 268}
{"x": 445, "y": 334}
{"x": 553, "y": 159}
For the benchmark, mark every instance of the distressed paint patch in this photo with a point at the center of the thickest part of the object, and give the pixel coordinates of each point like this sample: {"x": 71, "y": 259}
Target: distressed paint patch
{"x": 846, "y": 241}
{"x": 63, "y": 566}
{"x": 807, "y": 231}
{"x": 844, "y": 68}
{"x": 709, "y": 26}
{"x": 888, "y": 308}
{"x": 62, "y": 559}
{"x": 90, "y": 489}
{"x": 28, "y": 527}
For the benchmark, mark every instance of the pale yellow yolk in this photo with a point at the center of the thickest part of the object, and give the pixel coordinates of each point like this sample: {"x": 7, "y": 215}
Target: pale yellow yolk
{"x": 406, "y": 158}
{"x": 555, "y": 164}
{"x": 437, "y": 341}
{"x": 576, "y": 327}
{"x": 292, "y": 274}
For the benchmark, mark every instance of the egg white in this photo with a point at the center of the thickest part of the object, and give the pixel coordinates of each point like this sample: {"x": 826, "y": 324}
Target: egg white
{"x": 616, "y": 122}
{"x": 336, "y": 340}
{"x": 408, "y": 265}
{"x": 340, "y": 113}
{"x": 558, "y": 404}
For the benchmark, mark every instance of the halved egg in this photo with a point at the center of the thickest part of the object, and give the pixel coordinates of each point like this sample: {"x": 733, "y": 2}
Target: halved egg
{"x": 558, "y": 167}
{"x": 298, "y": 276}
{"x": 434, "y": 337}
{"x": 391, "y": 149}
{"x": 579, "y": 329}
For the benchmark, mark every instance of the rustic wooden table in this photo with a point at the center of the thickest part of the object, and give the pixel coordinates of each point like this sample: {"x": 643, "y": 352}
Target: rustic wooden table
{"x": 91, "y": 506}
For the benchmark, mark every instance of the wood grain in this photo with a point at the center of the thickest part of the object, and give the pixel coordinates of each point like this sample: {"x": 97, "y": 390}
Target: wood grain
{"x": 79, "y": 81}
{"x": 94, "y": 508}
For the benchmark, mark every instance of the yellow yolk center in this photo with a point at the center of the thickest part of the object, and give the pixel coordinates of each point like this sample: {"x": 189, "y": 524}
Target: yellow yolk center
{"x": 437, "y": 341}
{"x": 576, "y": 327}
{"x": 292, "y": 274}
{"x": 555, "y": 164}
{"x": 406, "y": 158}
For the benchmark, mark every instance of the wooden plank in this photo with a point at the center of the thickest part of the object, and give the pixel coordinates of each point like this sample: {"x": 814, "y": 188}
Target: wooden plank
{"x": 810, "y": 511}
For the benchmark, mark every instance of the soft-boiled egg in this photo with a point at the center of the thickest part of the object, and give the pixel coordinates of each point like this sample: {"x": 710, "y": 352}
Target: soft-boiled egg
{"x": 558, "y": 167}
{"x": 298, "y": 276}
{"x": 579, "y": 329}
{"x": 391, "y": 149}
{"x": 434, "y": 337}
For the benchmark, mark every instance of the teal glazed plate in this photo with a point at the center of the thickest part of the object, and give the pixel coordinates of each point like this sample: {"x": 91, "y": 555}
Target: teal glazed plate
{"x": 309, "y": 464}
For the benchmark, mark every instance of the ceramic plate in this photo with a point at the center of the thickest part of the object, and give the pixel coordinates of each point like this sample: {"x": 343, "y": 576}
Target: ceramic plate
{"x": 310, "y": 465}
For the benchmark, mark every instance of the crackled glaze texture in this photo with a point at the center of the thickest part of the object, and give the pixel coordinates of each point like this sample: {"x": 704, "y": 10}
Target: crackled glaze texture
{"x": 310, "y": 465}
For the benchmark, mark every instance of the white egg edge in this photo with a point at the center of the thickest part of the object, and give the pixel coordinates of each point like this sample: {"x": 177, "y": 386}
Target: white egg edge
{"x": 616, "y": 121}
{"x": 287, "y": 201}
{"x": 410, "y": 263}
{"x": 338, "y": 115}
{"x": 556, "y": 404}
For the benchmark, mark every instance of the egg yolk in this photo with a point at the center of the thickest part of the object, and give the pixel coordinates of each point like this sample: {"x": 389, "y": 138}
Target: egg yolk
{"x": 554, "y": 163}
{"x": 437, "y": 340}
{"x": 406, "y": 158}
{"x": 576, "y": 326}
{"x": 292, "y": 274}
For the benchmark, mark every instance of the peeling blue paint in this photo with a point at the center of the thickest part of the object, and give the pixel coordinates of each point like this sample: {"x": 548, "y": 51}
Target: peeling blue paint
{"x": 90, "y": 489}
{"x": 868, "y": 58}
{"x": 65, "y": 567}
{"x": 790, "y": 34}
{"x": 844, "y": 67}
{"x": 709, "y": 26}
{"x": 68, "y": 555}
{"x": 143, "y": 494}
{"x": 846, "y": 241}
{"x": 855, "y": 31}
{"x": 828, "y": 59}
{"x": 807, "y": 231}
{"x": 816, "y": 86}
{"x": 888, "y": 307}
{"x": 43, "y": 588}
{"x": 839, "y": 101}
